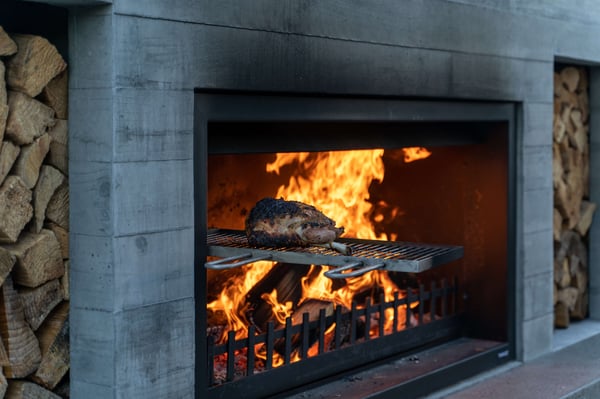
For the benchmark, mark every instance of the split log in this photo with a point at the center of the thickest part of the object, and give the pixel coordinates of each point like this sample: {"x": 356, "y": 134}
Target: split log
{"x": 36, "y": 63}
{"x": 580, "y": 311}
{"x": 558, "y": 221}
{"x": 57, "y": 210}
{"x": 64, "y": 281}
{"x": 30, "y": 160}
{"x": 585, "y": 218}
{"x": 58, "y": 155}
{"x": 49, "y": 180}
{"x": 21, "y": 344}
{"x": 38, "y": 258}
{"x": 562, "y": 276}
{"x": 18, "y": 389}
{"x": 7, "y": 262}
{"x": 3, "y": 103}
{"x": 53, "y": 336}
{"x": 7, "y": 45}
{"x": 3, "y": 384}
{"x": 561, "y": 315}
{"x": 40, "y": 301}
{"x": 56, "y": 95}
{"x": 568, "y": 296}
{"x": 27, "y": 119}
{"x": 62, "y": 235}
{"x": 8, "y": 155}
{"x": 15, "y": 208}
{"x": 570, "y": 78}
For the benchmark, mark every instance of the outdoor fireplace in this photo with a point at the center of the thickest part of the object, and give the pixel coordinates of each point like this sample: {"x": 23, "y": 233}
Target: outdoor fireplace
{"x": 432, "y": 239}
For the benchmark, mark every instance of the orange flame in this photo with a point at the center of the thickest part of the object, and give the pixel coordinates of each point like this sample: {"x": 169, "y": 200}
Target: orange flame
{"x": 415, "y": 153}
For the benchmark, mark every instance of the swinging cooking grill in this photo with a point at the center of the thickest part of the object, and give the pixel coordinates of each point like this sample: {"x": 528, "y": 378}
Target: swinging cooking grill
{"x": 233, "y": 249}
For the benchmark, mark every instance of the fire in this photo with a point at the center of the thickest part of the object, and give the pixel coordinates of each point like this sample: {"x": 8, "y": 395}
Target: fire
{"x": 415, "y": 153}
{"x": 337, "y": 183}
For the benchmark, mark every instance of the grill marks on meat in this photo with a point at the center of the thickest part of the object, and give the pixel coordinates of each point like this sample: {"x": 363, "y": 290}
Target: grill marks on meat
{"x": 280, "y": 223}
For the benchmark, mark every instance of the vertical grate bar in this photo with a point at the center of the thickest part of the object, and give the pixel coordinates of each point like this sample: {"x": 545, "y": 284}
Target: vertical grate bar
{"x": 322, "y": 328}
{"x": 367, "y": 318}
{"x": 396, "y": 305}
{"x": 338, "y": 327}
{"x": 421, "y": 303}
{"x": 305, "y": 335}
{"x": 250, "y": 349}
{"x": 433, "y": 298}
{"x": 211, "y": 359}
{"x": 353, "y": 323}
{"x": 444, "y": 298}
{"x": 382, "y": 320}
{"x": 409, "y": 300}
{"x": 288, "y": 341}
{"x": 270, "y": 345}
{"x": 230, "y": 355}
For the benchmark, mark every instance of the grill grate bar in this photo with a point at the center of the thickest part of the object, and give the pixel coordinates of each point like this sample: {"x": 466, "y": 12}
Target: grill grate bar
{"x": 392, "y": 255}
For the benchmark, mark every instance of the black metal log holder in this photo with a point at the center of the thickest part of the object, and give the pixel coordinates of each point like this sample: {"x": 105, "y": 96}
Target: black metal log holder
{"x": 348, "y": 350}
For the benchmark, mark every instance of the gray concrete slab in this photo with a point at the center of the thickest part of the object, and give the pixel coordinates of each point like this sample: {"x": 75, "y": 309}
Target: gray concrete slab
{"x": 573, "y": 371}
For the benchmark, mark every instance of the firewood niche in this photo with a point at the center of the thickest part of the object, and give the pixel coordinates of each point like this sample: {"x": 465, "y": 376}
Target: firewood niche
{"x": 573, "y": 211}
{"x": 34, "y": 210}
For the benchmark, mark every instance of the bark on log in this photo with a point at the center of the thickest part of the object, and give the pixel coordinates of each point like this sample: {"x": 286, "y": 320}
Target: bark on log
{"x": 53, "y": 336}
{"x": 7, "y": 45}
{"x": 56, "y": 95}
{"x": 8, "y": 155}
{"x": 64, "y": 282}
{"x": 18, "y": 389}
{"x": 27, "y": 119}
{"x": 36, "y": 63}
{"x": 3, "y": 102}
{"x": 21, "y": 344}
{"x": 58, "y": 155}
{"x": 7, "y": 262}
{"x": 3, "y": 384}
{"x": 570, "y": 78}
{"x": 57, "y": 210}
{"x": 30, "y": 160}
{"x": 49, "y": 180}
{"x": 38, "y": 258}
{"x": 40, "y": 301}
{"x": 15, "y": 208}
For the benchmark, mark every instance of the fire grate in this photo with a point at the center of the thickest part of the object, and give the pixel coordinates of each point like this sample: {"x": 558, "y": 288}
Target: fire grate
{"x": 232, "y": 246}
{"x": 421, "y": 316}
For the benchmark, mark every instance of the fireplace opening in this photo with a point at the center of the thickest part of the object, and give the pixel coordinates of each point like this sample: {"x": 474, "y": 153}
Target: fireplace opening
{"x": 431, "y": 179}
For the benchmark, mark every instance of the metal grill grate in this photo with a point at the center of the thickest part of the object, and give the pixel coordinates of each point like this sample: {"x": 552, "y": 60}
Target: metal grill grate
{"x": 232, "y": 246}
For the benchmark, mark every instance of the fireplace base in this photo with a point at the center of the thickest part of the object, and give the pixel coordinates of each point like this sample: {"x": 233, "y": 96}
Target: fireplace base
{"x": 412, "y": 375}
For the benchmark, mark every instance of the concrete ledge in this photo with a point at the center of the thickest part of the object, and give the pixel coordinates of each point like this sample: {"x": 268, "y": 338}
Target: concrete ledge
{"x": 571, "y": 371}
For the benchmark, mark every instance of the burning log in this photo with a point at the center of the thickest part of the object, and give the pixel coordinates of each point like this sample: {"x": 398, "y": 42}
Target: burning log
{"x": 285, "y": 279}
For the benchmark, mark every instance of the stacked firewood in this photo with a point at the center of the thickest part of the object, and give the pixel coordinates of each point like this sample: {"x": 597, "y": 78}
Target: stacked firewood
{"x": 573, "y": 212}
{"x": 34, "y": 219}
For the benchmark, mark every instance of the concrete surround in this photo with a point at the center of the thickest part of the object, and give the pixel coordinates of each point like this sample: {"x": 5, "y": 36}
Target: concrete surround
{"x": 133, "y": 70}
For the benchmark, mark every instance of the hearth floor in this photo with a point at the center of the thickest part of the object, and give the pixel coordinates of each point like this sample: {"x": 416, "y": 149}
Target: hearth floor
{"x": 572, "y": 370}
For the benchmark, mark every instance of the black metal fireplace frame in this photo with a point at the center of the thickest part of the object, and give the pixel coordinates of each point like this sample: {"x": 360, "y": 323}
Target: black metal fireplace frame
{"x": 316, "y": 123}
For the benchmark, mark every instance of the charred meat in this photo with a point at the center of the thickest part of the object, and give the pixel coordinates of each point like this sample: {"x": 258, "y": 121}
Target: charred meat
{"x": 280, "y": 223}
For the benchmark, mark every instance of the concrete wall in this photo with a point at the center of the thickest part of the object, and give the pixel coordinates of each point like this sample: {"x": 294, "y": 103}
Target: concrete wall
{"x": 133, "y": 71}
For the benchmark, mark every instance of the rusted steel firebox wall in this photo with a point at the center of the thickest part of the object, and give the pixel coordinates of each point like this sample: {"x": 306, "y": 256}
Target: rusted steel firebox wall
{"x": 133, "y": 71}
